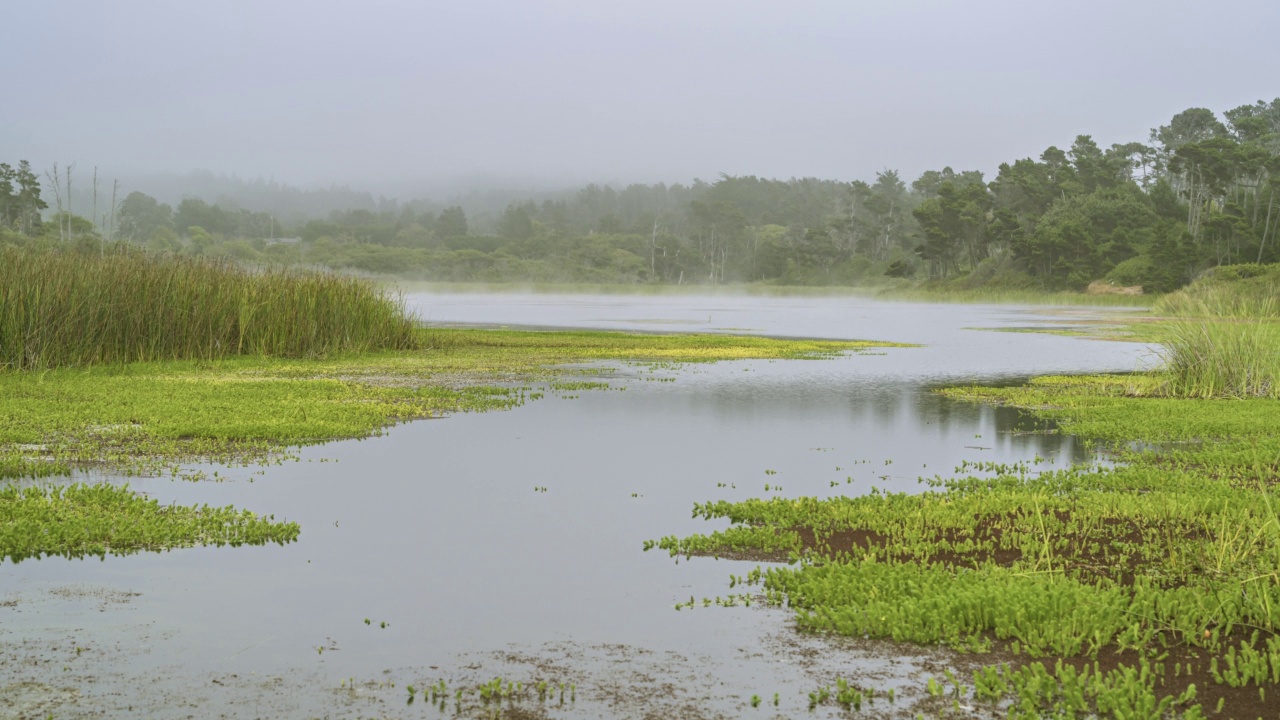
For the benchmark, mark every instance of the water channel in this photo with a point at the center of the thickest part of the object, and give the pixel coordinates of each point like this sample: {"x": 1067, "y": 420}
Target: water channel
{"x": 435, "y": 528}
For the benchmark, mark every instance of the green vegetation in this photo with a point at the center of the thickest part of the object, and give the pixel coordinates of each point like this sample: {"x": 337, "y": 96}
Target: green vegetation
{"x": 1210, "y": 359}
{"x": 82, "y": 520}
{"x": 1115, "y": 590}
{"x": 1198, "y": 193}
{"x": 1224, "y": 336}
{"x": 143, "y": 417}
{"x": 146, "y": 418}
{"x": 1231, "y": 291}
{"x": 1146, "y": 590}
{"x": 67, "y": 308}
{"x": 137, "y": 363}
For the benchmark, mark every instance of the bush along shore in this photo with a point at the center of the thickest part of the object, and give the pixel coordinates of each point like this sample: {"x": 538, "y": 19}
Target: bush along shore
{"x": 1150, "y": 589}
{"x": 1147, "y": 215}
{"x": 136, "y": 364}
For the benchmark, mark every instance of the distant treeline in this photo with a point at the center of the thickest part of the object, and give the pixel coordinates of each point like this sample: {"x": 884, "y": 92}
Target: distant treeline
{"x": 1200, "y": 192}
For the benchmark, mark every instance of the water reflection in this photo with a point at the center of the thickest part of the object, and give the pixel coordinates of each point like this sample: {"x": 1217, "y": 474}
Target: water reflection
{"x": 435, "y": 527}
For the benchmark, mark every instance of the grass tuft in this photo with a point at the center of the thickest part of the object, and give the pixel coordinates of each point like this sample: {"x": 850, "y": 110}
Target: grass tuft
{"x": 1224, "y": 338}
{"x": 1222, "y": 358}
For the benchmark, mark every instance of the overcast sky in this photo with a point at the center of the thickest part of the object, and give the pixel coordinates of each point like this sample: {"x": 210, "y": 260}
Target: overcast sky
{"x": 380, "y": 93}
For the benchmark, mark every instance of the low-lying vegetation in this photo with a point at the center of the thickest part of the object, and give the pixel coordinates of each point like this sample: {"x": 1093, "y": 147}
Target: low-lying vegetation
{"x": 149, "y": 418}
{"x": 99, "y": 520}
{"x": 145, "y": 417}
{"x": 1145, "y": 590}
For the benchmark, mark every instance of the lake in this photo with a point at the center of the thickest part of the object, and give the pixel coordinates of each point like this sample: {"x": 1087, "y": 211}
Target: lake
{"x": 440, "y": 530}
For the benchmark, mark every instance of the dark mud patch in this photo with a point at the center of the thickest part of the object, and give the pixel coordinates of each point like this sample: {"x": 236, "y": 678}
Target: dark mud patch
{"x": 1110, "y": 550}
{"x": 1241, "y": 702}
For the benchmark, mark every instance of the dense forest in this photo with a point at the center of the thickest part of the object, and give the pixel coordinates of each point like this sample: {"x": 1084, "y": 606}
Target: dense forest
{"x": 1199, "y": 192}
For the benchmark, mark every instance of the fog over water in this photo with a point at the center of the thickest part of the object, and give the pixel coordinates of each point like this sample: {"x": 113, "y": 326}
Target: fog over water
{"x": 407, "y": 98}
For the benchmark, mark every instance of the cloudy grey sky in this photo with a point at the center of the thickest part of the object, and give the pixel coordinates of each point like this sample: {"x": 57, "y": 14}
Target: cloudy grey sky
{"x": 380, "y": 92}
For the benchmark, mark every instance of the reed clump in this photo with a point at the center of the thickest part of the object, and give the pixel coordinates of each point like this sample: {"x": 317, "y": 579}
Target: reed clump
{"x": 62, "y": 308}
{"x": 1222, "y": 335}
{"x": 1222, "y": 358}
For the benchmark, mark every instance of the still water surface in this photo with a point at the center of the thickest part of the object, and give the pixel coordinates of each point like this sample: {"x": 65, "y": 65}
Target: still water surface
{"x": 436, "y": 527}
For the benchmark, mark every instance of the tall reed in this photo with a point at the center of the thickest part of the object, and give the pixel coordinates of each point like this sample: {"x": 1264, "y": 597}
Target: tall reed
{"x": 63, "y": 308}
{"x": 1211, "y": 353}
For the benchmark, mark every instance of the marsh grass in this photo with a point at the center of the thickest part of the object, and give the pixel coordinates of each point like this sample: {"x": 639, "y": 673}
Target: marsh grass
{"x": 1233, "y": 291}
{"x": 62, "y": 308}
{"x": 1230, "y": 358}
{"x": 1224, "y": 336}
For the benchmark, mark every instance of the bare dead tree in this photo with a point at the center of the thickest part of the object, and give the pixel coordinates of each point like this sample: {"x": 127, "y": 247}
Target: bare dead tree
{"x": 55, "y": 183}
{"x": 115, "y": 207}
{"x": 101, "y": 250}
{"x": 70, "y": 228}
{"x": 1266, "y": 226}
{"x": 653, "y": 248}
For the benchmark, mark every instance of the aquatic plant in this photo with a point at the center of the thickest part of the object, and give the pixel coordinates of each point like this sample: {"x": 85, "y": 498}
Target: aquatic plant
{"x": 144, "y": 418}
{"x": 1148, "y": 589}
{"x": 61, "y": 308}
{"x": 82, "y": 520}
{"x": 1221, "y": 358}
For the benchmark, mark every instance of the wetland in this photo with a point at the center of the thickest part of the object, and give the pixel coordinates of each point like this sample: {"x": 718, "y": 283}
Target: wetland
{"x": 473, "y": 546}
{"x": 577, "y": 362}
